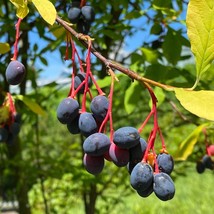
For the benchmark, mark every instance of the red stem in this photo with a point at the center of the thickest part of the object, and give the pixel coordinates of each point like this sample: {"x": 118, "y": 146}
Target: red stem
{"x": 17, "y": 39}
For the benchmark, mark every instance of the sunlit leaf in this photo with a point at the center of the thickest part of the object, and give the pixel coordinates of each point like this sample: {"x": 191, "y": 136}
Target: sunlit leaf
{"x": 32, "y": 105}
{"x": 200, "y": 30}
{"x": 46, "y": 9}
{"x": 22, "y": 8}
{"x": 132, "y": 95}
{"x": 18, "y": 3}
{"x": 150, "y": 55}
{"x": 4, "y": 48}
{"x": 22, "y": 12}
{"x": 186, "y": 147}
{"x": 200, "y": 103}
{"x": 159, "y": 93}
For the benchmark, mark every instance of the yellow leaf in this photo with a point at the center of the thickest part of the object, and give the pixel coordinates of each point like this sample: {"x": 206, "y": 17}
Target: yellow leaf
{"x": 46, "y": 9}
{"x": 200, "y": 103}
{"x": 22, "y": 12}
{"x": 18, "y": 3}
{"x": 4, "y": 48}
{"x": 187, "y": 145}
{"x": 22, "y": 8}
{"x": 200, "y": 29}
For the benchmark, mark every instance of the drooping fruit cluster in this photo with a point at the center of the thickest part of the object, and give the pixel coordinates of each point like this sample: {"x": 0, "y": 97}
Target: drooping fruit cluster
{"x": 124, "y": 147}
{"x": 82, "y": 15}
{"x": 10, "y": 127}
{"x": 206, "y": 162}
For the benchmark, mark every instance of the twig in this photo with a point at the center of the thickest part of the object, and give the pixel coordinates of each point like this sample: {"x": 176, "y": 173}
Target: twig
{"x": 110, "y": 63}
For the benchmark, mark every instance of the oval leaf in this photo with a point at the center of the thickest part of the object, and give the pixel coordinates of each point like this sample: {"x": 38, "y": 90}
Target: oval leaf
{"x": 33, "y": 106}
{"x": 187, "y": 145}
{"x": 200, "y": 103}
{"x": 4, "y": 48}
{"x": 200, "y": 29}
{"x": 46, "y": 9}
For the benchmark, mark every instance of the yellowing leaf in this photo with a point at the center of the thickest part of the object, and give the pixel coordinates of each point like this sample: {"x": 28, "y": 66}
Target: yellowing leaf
{"x": 18, "y": 3}
{"x": 46, "y": 9}
{"x": 32, "y": 105}
{"x": 4, "y": 48}
{"x": 200, "y": 29}
{"x": 200, "y": 103}
{"x": 22, "y": 12}
{"x": 187, "y": 145}
{"x": 22, "y": 8}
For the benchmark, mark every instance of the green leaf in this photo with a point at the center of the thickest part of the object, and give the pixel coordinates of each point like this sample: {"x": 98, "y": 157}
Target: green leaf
{"x": 186, "y": 147}
{"x": 46, "y": 9}
{"x": 172, "y": 46}
{"x": 33, "y": 106}
{"x": 159, "y": 93}
{"x": 150, "y": 55}
{"x": 4, "y": 48}
{"x": 200, "y": 30}
{"x": 132, "y": 95}
{"x": 200, "y": 103}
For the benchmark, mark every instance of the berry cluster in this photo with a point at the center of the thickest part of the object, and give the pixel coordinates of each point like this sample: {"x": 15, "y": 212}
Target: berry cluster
{"x": 82, "y": 15}
{"x": 10, "y": 128}
{"x": 149, "y": 172}
{"x": 206, "y": 161}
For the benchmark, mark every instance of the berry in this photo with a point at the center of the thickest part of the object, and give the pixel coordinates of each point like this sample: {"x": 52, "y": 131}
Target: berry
{"x": 200, "y": 168}
{"x": 142, "y": 176}
{"x": 83, "y": 26}
{"x": 99, "y": 107}
{"x": 163, "y": 186}
{"x": 14, "y": 128}
{"x": 3, "y": 134}
{"x": 74, "y": 14}
{"x": 207, "y": 161}
{"x": 211, "y": 150}
{"x": 96, "y": 144}
{"x": 137, "y": 152}
{"x": 119, "y": 156}
{"x": 87, "y": 124}
{"x": 145, "y": 193}
{"x": 73, "y": 126}
{"x": 67, "y": 110}
{"x": 15, "y": 72}
{"x": 79, "y": 78}
{"x": 126, "y": 137}
{"x": 93, "y": 165}
{"x": 165, "y": 163}
{"x": 88, "y": 13}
